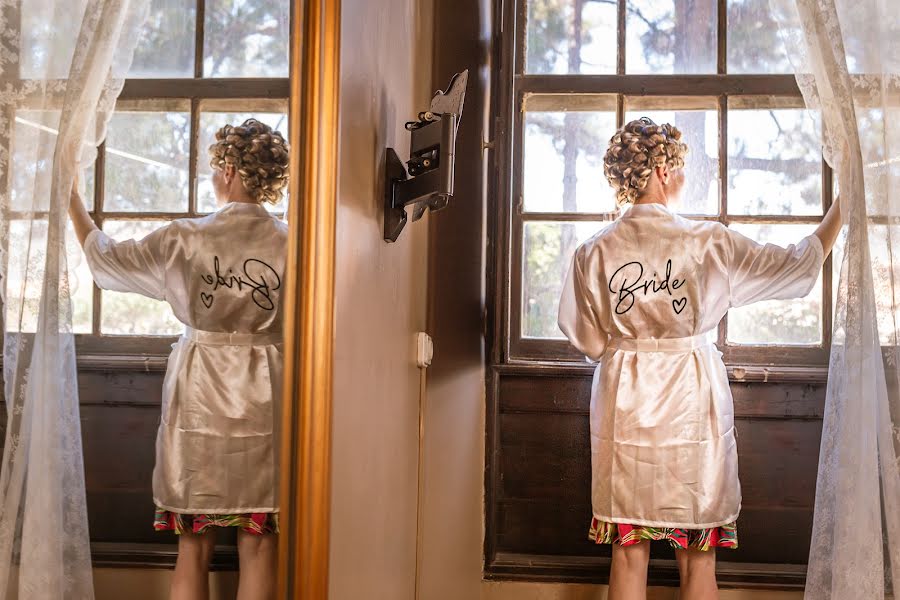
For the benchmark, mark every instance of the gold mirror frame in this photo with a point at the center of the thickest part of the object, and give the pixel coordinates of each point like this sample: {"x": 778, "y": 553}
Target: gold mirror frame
{"x": 305, "y": 469}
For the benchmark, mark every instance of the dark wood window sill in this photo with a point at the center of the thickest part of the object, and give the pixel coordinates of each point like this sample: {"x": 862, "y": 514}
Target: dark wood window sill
{"x": 737, "y": 373}
{"x": 664, "y": 572}
{"x": 126, "y": 555}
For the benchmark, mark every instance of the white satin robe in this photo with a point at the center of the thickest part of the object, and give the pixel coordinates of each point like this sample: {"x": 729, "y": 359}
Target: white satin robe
{"x": 663, "y": 446}
{"x": 222, "y": 274}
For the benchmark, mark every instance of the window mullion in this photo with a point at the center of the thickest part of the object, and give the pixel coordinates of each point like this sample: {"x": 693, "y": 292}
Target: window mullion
{"x": 520, "y": 8}
{"x": 565, "y": 216}
{"x": 723, "y": 190}
{"x": 512, "y": 325}
{"x": 722, "y": 37}
{"x": 193, "y": 156}
{"x": 96, "y": 309}
{"x": 828, "y": 278}
{"x": 621, "y": 7}
{"x": 620, "y": 110}
{"x": 661, "y": 85}
{"x": 198, "y": 40}
{"x": 99, "y": 197}
{"x": 722, "y": 102}
{"x": 99, "y": 180}
{"x": 517, "y": 286}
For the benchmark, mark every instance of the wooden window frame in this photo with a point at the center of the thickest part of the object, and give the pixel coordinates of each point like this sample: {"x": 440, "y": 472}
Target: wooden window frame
{"x": 105, "y": 351}
{"x": 746, "y": 362}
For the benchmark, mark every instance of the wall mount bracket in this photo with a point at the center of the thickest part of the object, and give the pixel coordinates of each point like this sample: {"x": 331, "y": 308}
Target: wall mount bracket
{"x": 426, "y": 182}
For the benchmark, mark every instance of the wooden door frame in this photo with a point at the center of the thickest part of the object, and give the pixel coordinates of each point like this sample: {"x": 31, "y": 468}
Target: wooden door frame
{"x": 305, "y": 468}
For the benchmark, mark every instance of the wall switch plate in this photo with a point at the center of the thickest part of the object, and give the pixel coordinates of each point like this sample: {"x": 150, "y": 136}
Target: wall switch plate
{"x": 424, "y": 349}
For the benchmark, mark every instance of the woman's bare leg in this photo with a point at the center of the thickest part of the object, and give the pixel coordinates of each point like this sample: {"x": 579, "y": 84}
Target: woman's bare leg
{"x": 698, "y": 574}
{"x": 258, "y": 556}
{"x": 190, "y": 581}
{"x": 628, "y": 575}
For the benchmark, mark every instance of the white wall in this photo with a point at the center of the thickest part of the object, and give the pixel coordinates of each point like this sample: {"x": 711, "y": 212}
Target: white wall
{"x": 455, "y": 428}
{"x": 380, "y": 303}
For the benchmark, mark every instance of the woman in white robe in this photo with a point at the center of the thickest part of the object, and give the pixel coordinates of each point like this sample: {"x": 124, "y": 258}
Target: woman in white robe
{"x": 222, "y": 274}
{"x": 644, "y": 298}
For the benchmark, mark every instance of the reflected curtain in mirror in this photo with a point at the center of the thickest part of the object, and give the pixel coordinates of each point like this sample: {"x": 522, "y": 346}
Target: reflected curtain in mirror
{"x": 62, "y": 66}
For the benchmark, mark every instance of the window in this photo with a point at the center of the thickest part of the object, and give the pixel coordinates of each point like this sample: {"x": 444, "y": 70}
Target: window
{"x": 575, "y": 70}
{"x": 199, "y": 65}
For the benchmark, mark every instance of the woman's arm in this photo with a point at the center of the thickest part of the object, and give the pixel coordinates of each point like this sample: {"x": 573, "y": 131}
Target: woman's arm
{"x": 81, "y": 220}
{"x": 830, "y": 226}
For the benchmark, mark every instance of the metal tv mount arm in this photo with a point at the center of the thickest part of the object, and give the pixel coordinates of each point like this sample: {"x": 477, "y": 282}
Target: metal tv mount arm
{"x": 432, "y": 159}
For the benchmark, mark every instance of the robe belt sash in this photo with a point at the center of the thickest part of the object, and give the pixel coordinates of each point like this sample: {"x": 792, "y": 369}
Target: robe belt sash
{"x": 222, "y": 338}
{"x": 680, "y": 344}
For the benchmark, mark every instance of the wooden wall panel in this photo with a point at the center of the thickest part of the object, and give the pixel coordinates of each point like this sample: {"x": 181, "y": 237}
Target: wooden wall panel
{"x": 120, "y": 412}
{"x": 539, "y": 476}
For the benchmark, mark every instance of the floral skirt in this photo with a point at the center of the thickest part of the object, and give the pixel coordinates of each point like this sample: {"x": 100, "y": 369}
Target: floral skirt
{"x": 725, "y": 536}
{"x": 255, "y": 523}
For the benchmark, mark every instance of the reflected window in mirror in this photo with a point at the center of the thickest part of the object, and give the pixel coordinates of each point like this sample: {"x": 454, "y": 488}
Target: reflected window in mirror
{"x": 198, "y": 65}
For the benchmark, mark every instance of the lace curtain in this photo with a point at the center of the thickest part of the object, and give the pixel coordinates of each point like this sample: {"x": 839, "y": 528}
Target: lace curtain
{"x": 62, "y": 65}
{"x": 846, "y": 56}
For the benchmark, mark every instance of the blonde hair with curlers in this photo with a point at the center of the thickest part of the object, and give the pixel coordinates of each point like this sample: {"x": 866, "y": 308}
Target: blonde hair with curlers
{"x": 635, "y": 150}
{"x": 259, "y": 155}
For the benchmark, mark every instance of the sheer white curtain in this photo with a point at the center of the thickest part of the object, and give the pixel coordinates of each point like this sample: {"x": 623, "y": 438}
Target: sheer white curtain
{"x": 62, "y": 65}
{"x": 846, "y": 55}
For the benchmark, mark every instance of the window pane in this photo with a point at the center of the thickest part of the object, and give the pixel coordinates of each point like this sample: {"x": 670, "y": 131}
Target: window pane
{"x": 210, "y": 123}
{"x": 43, "y": 45}
{"x": 133, "y": 314}
{"x": 670, "y": 36}
{"x": 700, "y": 131}
{"x": 166, "y": 46}
{"x": 147, "y": 162}
{"x": 546, "y": 256}
{"x": 754, "y": 44}
{"x": 564, "y": 161}
{"x": 774, "y": 163}
{"x": 554, "y": 49}
{"x": 785, "y": 322}
{"x": 81, "y": 284}
{"x": 24, "y": 281}
{"x": 33, "y": 141}
{"x": 837, "y": 258}
{"x": 246, "y": 38}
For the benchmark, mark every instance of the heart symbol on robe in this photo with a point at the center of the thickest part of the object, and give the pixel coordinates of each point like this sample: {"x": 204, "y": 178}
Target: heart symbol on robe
{"x": 679, "y": 305}
{"x": 207, "y": 299}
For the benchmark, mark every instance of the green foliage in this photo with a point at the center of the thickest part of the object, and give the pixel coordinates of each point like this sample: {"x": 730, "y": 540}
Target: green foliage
{"x": 548, "y": 32}
{"x": 246, "y": 38}
{"x": 545, "y": 269}
{"x": 166, "y": 46}
{"x": 147, "y": 162}
{"x": 132, "y": 314}
{"x": 242, "y": 38}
